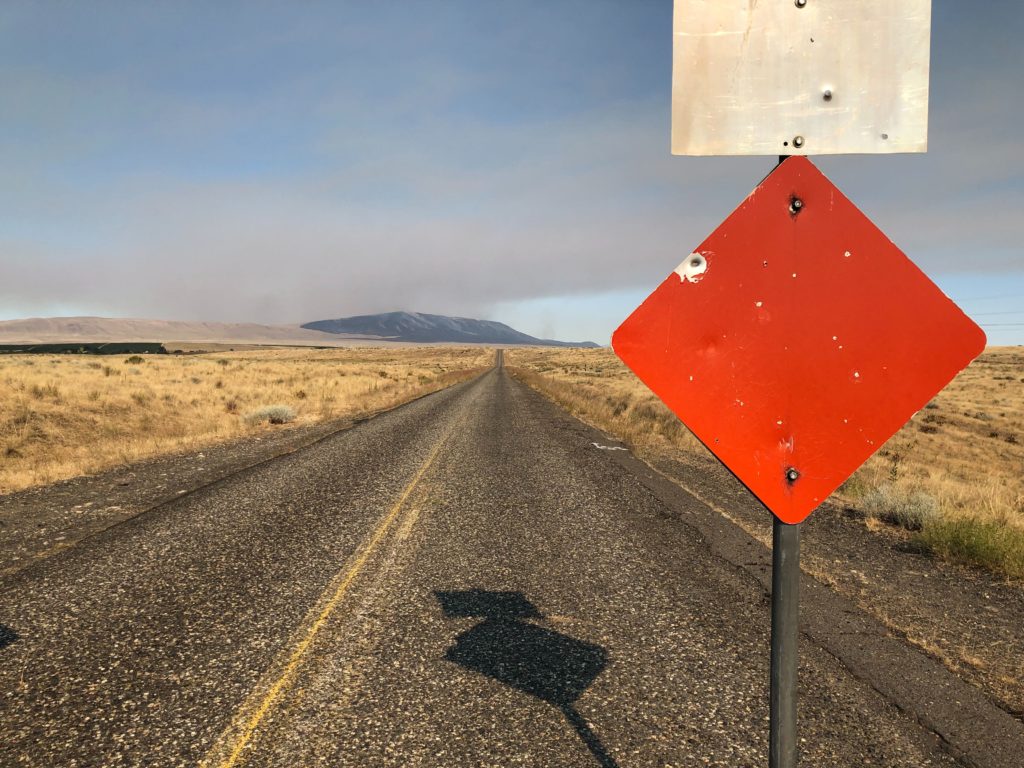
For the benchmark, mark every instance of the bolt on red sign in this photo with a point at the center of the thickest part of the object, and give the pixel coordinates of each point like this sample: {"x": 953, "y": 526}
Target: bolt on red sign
{"x": 796, "y": 339}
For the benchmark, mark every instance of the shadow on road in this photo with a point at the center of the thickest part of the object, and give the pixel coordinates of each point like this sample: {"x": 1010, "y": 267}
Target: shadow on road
{"x": 538, "y": 661}
{"x": 7, "y": 636}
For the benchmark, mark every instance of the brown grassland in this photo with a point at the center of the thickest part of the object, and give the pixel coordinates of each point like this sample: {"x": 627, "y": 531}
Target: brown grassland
{"x": 62, "y": 416}
{"x": 952, "y": 476}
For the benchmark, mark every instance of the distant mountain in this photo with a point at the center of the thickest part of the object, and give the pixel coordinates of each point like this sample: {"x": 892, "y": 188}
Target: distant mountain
{"x": 419, "y": 328}
{"x": 394, "y": 327}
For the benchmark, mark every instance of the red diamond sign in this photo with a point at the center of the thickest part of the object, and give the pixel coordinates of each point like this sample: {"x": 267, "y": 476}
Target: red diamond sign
{"x": 796, "y": 339}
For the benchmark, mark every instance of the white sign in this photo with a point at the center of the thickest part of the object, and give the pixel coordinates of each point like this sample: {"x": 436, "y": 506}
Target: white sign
{"x": 800, "y": 77}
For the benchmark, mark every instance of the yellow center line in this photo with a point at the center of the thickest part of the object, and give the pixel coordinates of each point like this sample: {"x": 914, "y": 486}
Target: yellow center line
{"x": 256, "y": 707}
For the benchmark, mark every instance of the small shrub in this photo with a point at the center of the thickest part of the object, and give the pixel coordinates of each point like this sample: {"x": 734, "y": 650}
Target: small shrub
{"x": 854, "y": 486}
{"x": 275, "y": 414}
{"x": 672, "y": 428}
{"x": 22, "y": 416}
{"x": 46, "y": 390}
{"x": 231, "y": 406}
{"x": 301, "y": 394}
{"x": 218, "y": 384}
{"x": 619, "y": 405}
{"x": 108, "y": 371}
{"x": 382, "y": 374}
{"x": 645, "y": 412}
{"x": 95, "y": 366}
{"x": 141, "y": 398}
{"x": 225, "y": 363}
{"x": 996, "y": 545}
{"x": 135, "y": 360}
{"x": 912, "y": 510}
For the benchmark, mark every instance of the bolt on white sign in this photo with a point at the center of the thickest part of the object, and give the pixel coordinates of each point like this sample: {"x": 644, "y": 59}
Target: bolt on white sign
{"x": 800, "y": 77}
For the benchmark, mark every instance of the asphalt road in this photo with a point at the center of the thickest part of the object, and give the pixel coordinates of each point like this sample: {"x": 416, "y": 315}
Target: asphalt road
{"x": 468, "y": 580}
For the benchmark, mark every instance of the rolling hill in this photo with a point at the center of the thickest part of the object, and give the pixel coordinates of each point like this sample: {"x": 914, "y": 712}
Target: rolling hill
{"x": 106, "y": 329}
{"x": 389, "y": 328}
{"x": 421, "y": 328}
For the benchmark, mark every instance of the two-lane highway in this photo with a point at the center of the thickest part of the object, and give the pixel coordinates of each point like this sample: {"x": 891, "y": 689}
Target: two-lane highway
{"x": 463, "y": 581}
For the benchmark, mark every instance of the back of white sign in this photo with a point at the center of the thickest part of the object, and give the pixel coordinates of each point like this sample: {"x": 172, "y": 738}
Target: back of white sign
{"x": 800, "y": 77}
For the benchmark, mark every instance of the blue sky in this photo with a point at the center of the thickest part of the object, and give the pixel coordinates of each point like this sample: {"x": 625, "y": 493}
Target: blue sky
{"x": 282, "y": 162}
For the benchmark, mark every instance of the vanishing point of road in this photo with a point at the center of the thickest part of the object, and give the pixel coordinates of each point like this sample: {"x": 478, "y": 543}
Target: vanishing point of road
{"x": 472, "y": 579}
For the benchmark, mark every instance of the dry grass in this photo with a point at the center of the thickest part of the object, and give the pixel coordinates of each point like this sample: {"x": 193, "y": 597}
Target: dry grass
{"x": 964, "y": 452}
{"x": 66, "y": 415}
{"x": 596, "y": 386}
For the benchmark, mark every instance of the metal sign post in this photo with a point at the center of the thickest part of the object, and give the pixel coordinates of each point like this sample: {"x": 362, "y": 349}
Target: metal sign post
{"x": 797, "y": 338}
{"x": 782, "y": 739}
{"x": 784, "y": 657}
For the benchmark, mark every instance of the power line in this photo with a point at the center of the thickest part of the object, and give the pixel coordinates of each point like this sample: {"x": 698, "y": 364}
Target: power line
{"x": 993, "y": 298}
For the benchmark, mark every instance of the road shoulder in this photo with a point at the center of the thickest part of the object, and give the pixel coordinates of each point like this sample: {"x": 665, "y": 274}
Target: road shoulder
{"x": 970, "y": 724}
